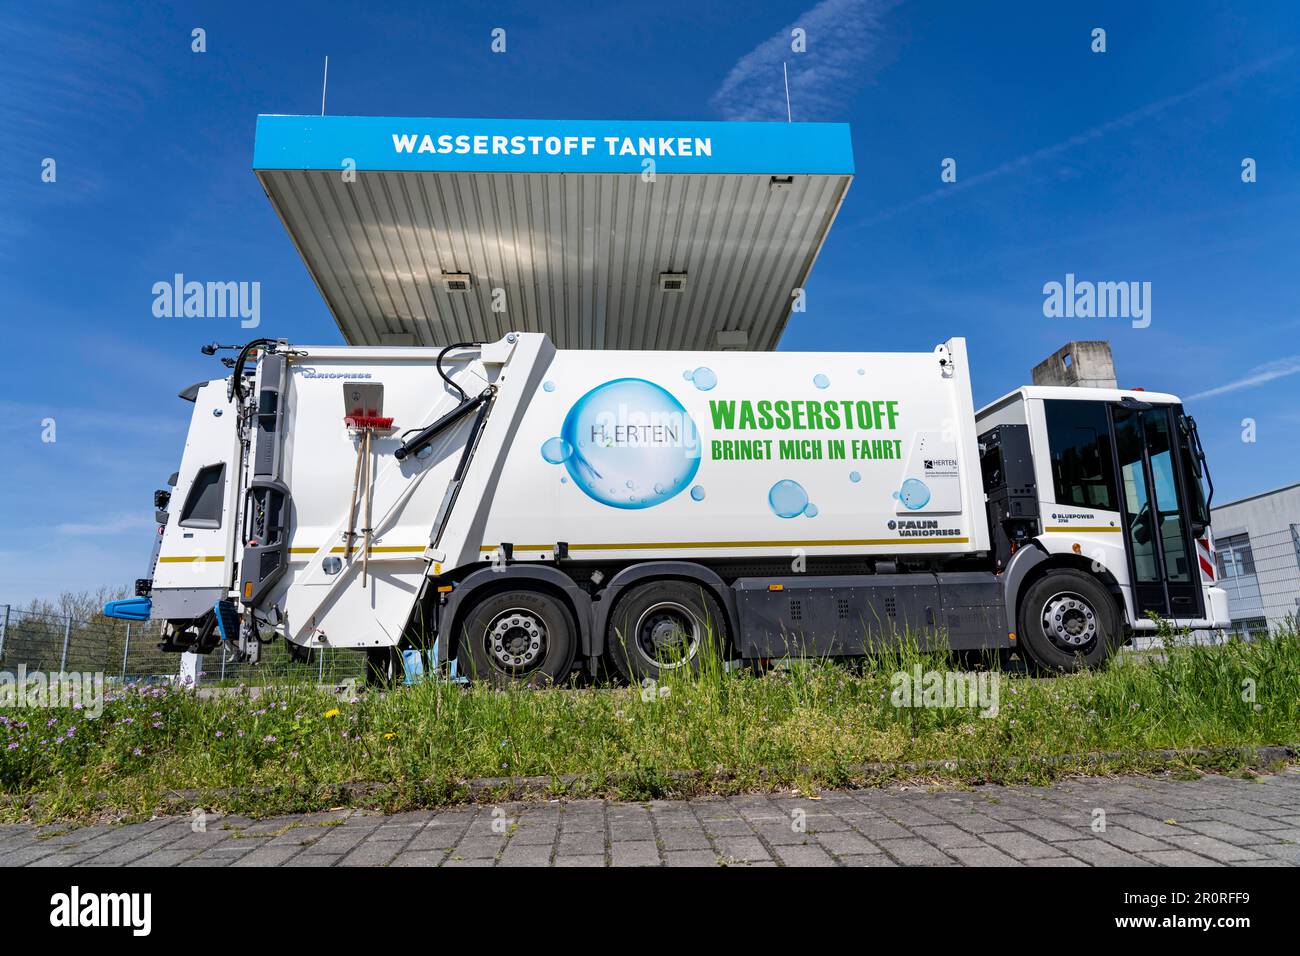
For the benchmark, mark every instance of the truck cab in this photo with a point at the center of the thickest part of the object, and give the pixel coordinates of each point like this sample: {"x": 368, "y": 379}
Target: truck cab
{"x": 1112, "y": 482}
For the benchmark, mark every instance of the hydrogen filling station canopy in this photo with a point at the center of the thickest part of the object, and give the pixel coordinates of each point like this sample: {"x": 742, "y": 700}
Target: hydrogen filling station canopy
{"x": 602, "y": 234}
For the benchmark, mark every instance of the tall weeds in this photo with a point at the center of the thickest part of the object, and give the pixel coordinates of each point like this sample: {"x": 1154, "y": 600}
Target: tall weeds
{"x": 719, "y": 728}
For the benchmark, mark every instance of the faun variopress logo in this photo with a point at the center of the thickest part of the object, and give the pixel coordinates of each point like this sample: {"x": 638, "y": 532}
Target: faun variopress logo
{"x": 921, "y": 528}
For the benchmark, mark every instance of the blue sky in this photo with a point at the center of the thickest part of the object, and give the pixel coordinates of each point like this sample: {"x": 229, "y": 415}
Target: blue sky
{"x": 1119, "y": 166}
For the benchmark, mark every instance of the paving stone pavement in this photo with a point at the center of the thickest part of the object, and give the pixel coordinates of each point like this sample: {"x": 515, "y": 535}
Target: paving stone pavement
{"x": 1213, "y": 821}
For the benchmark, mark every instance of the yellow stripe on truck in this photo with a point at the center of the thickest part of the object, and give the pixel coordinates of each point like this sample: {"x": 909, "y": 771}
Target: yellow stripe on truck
{"x": 666, "y": 545}
{"x": 1080, "y": 529}
{"x": 382, "y": 549}
{"x": 374, "y": 549}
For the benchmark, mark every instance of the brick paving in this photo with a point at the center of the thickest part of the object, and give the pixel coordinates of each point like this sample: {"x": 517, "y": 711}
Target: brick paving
{"x": 1213, "y": 821}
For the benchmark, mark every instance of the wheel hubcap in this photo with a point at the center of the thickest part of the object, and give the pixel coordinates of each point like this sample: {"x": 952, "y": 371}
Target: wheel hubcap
{"x": 668, "y": 635}
{"x": 516, "y": 639}
{"x": 1069, "y": 620}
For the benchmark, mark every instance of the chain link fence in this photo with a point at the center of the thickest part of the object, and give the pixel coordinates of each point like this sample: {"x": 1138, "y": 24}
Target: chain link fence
{"x": 127, "y": 652}
{"x": 1261, "y": 575}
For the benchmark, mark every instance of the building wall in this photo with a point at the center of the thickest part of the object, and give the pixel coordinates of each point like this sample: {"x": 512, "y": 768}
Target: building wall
{"x": 1258, "y": 544}
{"x": 1085, "y": 364}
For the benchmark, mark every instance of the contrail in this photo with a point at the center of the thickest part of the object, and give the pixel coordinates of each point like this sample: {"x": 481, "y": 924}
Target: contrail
{"x": 844, "y": 40}
{"x": 1280, "y": 368}
{"x": 1229, "y": 79}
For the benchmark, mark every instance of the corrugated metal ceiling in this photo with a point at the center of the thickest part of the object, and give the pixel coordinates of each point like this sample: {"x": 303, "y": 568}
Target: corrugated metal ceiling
{"x": 578, "y": 256}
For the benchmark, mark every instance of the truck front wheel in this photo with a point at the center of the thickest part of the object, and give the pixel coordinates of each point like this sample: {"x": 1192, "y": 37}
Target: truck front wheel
{"x": 664, "y": 626}
{"x": 1067, "y": 622}
{"x": 518, "y": 637}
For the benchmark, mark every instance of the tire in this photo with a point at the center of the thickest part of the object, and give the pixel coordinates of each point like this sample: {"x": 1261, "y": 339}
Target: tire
{"x": 664, "y": 626}
{"x": 1068, "y": 621}
{"x": 518, "y": 637}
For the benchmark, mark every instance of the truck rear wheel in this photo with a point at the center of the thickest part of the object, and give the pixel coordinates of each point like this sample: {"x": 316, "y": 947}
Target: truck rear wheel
{"x": 1068, "y": 622}
{"x": 664, "y": 626}
{"x": 518, "y": 637}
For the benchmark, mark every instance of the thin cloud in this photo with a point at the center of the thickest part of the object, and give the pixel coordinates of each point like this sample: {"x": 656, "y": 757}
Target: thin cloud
{"x": 28, "y": 419}
{"x": 117, "y": 524}
{"x": 104, "y": 79}
{"x": 1267, "y": 372}
{"x": 845, "y": 44}
{"x": 1021, "y": 163}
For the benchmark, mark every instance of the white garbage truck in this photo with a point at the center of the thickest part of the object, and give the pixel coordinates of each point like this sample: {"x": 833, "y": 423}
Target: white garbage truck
{"x": 518, "y": 512}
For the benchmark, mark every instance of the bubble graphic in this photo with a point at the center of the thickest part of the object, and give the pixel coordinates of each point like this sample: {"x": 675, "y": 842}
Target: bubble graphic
{"x": 698, "y": 492}
{"x": 855, "y": 477}
{"x": 704, "y": 378}
{"x": 787, "y": 498}
{"x": 548, "y": 386}
{"x": 630, "y": 434}
{"x": 811, "y": 511}
{"x": 556, "y": 450}
{"x": 914, "y": 494}
{"x": 862, "y": 371}
{"x": 689, "y": 375}
{"x": 821, "y": 381}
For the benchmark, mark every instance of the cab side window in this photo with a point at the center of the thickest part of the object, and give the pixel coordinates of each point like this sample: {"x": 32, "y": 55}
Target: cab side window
{"x": 1083, "y": 469}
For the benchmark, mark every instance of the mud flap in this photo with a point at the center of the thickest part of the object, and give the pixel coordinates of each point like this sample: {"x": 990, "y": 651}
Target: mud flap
{"x": 227, "y": 620}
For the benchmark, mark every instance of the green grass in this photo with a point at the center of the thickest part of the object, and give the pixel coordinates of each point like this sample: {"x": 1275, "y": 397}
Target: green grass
{"x": 805, "y": 725}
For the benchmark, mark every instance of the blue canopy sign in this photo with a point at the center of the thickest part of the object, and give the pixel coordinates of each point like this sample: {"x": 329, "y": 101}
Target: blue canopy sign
{"x": 550, "y": 146}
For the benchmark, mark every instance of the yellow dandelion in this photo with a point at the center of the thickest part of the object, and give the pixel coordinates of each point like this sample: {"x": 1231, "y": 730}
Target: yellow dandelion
{"x": 331, "y": 713}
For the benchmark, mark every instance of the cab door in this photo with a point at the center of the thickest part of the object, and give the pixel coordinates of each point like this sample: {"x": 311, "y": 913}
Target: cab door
{"x": 1162, "y": 563}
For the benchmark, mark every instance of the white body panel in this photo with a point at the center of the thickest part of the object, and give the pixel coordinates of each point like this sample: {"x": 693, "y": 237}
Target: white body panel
{"x": 671, "y": 489}
{"x": 320, "y": 466}
{"x": 203, "y": 557}
{"x": 903, "y": 424}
